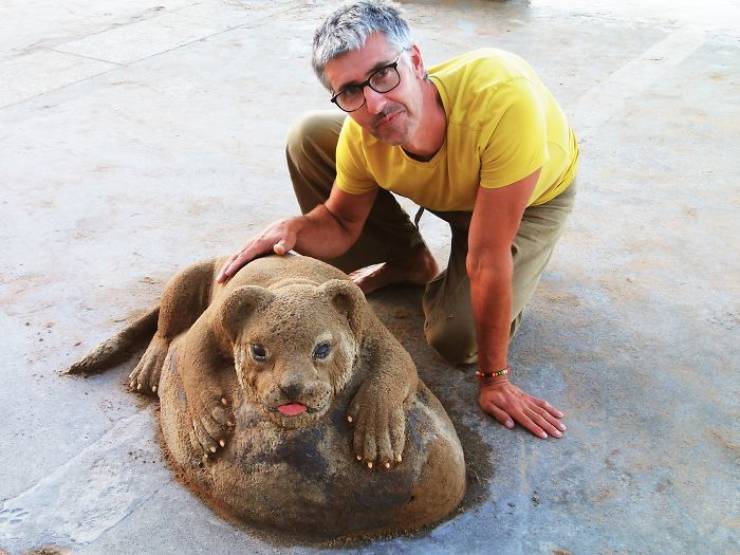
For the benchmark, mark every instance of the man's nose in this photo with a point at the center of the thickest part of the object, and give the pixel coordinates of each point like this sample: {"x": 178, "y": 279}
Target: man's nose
{"x": 374, "y": 101}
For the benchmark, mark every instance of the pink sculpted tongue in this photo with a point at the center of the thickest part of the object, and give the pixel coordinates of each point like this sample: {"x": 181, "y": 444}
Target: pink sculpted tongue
{"x": 292, "y": 409}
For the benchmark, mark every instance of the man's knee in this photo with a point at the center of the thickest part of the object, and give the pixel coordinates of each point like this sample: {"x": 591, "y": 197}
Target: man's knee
{"x": 455, "y": 344}
{"x": 312, "y": 133}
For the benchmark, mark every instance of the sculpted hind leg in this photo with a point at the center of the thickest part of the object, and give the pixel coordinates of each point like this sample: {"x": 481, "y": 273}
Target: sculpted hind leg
{"x": 185, "y": 298}
{"x": 118, "y": 348}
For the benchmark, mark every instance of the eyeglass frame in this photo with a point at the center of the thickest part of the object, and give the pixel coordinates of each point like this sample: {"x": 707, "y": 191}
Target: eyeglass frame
{"x": 366, "y": 83}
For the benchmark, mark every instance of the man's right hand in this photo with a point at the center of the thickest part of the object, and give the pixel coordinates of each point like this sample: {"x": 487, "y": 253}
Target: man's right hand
{"x": 279, "y": 237}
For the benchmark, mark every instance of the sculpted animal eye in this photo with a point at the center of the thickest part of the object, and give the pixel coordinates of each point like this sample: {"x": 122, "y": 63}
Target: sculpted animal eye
{"x": 321, "y": 350}
{"x": 258, "y": 353}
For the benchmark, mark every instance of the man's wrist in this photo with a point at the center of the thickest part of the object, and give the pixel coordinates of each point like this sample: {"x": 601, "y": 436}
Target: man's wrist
{"x": 492, "y": 377}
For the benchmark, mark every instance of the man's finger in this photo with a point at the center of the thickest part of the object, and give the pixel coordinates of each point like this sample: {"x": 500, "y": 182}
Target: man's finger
{"x": 544, "y": 423}
{"x": 500, "y": 415}
{"x": 228, "y": 271}
{"x": 547, "y": 406}
{"x": 554, "y": 420}
{"x": 256, "y": 248}
{"x": 527, "y": 422}
{"x": 246, "y": 255}
{"x": 280, "y": 247}
{"x": 284, "y": 245}
{"x": 222, "y": 273}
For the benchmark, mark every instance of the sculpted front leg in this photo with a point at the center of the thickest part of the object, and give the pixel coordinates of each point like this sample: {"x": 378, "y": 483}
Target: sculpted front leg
{"x": 378, "y": 409}
{"x": 185, "y": 298}
{"x": 209, "y": 406}
{"x": 212, "y": 424}
{"x": 380, "y": 427}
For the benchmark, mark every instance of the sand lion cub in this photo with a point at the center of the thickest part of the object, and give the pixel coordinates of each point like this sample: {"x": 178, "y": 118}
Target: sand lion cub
{"x": 274, "y": 385}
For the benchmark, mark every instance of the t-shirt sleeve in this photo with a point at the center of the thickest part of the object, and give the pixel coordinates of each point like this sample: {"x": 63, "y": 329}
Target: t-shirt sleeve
{"x": 514, "y": 142}
{"x": 353, "y": 176}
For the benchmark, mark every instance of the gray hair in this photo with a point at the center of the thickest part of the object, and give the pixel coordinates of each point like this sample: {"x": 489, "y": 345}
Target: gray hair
{"x": 349, "y": 27}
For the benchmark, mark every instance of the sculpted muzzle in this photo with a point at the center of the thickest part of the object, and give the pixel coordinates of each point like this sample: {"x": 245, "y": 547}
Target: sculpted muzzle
{"x": 296, "y": 397}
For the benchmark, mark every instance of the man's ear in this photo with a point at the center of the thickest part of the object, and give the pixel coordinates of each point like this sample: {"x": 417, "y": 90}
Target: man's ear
{"x": 417, "y": 63}
{"x": 240, "y": 305}
{"x": 348, "y": 300}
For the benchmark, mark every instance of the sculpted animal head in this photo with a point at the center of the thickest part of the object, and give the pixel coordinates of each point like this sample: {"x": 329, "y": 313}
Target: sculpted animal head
{"x": 295, "y": 346}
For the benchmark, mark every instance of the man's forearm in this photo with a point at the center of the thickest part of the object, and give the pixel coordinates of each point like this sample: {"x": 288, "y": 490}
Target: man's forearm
{"x": 321, "y": 235}
{"x": 491, "y": 296}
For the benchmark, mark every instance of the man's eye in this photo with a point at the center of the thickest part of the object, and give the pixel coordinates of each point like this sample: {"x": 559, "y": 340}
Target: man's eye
{"x": 258, "y": 353}
{"x": 321, "y": 351}
{"x": 350, "y": 92}
{"x": 383, "y": 76}
{"x": 382, "y": 73}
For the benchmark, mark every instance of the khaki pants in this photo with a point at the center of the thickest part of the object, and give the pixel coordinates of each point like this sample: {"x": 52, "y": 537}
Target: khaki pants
{"x": 389, "y": 234}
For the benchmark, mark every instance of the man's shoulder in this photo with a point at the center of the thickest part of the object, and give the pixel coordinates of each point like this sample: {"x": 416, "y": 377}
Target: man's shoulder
{"x": 490, "y": 64}
{"x": 477, "y": 85}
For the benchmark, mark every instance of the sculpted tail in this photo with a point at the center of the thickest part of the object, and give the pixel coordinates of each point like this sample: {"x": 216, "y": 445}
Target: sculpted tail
{"x": 119, "y": 347}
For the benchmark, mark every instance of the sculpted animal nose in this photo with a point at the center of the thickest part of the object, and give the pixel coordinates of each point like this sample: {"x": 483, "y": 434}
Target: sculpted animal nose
{"x": 291, "y": 389}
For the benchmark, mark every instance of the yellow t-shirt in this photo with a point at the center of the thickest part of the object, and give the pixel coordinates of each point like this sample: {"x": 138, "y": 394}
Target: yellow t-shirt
{"x": 502, "y": 124}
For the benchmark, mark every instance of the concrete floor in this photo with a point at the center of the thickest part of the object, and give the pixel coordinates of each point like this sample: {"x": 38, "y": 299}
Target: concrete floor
{"x": 138, "y": 136}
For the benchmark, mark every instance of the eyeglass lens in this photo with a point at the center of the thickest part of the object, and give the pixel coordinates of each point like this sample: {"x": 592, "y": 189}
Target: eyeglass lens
{"x": 382, "y": 81}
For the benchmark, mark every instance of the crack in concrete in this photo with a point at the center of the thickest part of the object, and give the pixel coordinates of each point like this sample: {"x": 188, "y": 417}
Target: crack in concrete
{"x": 610, "y": 96}
{"x": 91, "y": 493}
{"x": 119, "y": 65}
{"x": 86, "y": 58}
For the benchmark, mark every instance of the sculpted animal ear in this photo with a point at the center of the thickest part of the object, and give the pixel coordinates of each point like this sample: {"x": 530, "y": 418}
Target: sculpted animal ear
{"x": 239, "y": 305}
{"x": 348, "y": 299}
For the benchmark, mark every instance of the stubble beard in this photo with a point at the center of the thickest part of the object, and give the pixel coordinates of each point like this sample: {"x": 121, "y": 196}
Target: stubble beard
{"x": 395, "y": 132}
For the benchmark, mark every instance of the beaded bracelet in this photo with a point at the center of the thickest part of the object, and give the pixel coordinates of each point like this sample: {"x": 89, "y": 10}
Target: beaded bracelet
{"x": 486, "y": 377}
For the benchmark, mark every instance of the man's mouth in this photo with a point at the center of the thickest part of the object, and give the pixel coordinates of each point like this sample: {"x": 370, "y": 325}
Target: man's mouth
{"x": 386, "y": 119}
{"x": 292, "y": 409}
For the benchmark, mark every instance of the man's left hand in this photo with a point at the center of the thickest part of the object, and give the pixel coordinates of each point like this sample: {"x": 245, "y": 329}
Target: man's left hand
{"x": 508, "y": 404}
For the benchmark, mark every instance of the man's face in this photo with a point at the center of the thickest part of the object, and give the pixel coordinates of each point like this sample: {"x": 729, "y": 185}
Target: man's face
{"x": 391, "y": 117}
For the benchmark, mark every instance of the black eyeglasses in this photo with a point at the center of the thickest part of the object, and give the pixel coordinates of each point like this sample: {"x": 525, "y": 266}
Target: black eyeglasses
{"x": 382, "y": 80}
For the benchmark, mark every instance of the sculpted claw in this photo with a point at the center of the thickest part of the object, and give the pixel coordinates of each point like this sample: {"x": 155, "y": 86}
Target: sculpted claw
{"x": 398, "y": 458}
{"x": 349, "y": 419}
{"x": 359, "y": 458}
{"x": 370, "y": 464}
{"x": 154, "y": 389}
{"x": 387, "y": 465}
{"x": 210, "y": 435}
{"x": 224, "y": 402}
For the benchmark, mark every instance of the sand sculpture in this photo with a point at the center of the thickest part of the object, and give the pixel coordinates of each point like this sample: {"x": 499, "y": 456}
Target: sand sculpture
{"x": 286, "y": 402}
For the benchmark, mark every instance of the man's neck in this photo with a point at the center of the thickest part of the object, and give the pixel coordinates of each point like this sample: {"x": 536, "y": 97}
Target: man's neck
{"x": 430, "y": 135}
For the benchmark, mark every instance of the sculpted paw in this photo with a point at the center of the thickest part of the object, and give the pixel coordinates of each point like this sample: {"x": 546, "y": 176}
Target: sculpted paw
{"x": 379, "y": 430}
{"x": 145, "y": 377}
{"x": 211, "y": 427}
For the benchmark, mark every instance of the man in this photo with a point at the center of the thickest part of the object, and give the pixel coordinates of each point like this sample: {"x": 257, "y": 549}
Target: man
{"x": 479, "y": 141}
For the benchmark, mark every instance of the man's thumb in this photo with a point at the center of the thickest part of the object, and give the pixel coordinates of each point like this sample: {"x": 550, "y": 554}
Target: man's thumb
{"x": 280, "y": 247}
